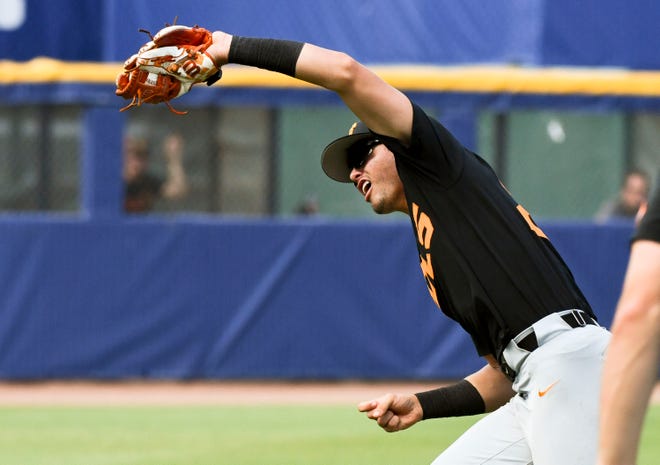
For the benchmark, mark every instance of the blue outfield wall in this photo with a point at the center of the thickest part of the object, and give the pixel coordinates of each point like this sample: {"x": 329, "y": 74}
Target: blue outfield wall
{"x": 602, "y": 33}
{"x": 194, "y": 297}
{"x": 109, "y": 297}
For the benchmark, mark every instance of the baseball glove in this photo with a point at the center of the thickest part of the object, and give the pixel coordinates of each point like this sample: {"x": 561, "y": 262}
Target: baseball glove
{"x": 167, "y": 67}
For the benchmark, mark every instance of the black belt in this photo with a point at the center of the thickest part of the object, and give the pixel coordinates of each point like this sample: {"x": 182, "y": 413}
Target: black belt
{"x": 575, "y": 319}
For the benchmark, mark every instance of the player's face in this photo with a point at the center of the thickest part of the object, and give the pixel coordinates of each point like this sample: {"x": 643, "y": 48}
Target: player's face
{"x": 375, "y": 176}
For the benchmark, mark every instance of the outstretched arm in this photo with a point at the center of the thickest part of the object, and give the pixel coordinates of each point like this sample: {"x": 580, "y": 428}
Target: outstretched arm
{"x": 380, "y": 106}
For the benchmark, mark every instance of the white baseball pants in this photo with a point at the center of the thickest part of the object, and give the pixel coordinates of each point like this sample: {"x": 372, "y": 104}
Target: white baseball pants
{"x": 553, "y": 419}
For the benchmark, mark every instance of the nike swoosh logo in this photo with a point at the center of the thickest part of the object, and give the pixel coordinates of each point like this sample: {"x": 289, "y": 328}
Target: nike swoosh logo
{"x": 545, "y": 391}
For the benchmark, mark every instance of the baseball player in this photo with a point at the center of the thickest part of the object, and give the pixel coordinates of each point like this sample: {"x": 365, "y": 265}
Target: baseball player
{"x": 631, "y": 366}
{"x": 486, "y": 264}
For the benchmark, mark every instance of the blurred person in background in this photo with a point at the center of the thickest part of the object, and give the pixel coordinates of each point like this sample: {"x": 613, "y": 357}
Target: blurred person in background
{"x": 631, "y": 365}
{"x": 142, "y": 186}
{"x": 632, "y": 195}
{"x": 309, "y": 205}
{"x": 485, "y": 262}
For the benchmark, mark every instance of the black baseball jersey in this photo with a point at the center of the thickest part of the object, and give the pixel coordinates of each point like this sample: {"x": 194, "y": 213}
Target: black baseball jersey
{"x": 649, "y": 227}
{"x": 486, "y": 264}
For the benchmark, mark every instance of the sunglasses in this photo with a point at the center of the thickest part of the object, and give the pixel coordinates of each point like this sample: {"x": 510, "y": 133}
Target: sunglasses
{"x": 358, "y": 156}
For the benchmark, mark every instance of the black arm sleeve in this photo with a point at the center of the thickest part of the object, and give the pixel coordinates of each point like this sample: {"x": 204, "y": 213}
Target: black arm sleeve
{"x": 457, "y": 400}
{"x": 271, "y": 54}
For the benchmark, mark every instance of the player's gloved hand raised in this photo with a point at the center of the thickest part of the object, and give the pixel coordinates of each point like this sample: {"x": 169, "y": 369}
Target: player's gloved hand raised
{"x": 168, "y": 66}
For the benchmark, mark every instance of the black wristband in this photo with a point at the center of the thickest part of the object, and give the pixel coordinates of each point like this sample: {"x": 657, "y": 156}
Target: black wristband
{"x": 457, "y": 400}
{"x": 271, "y": 54}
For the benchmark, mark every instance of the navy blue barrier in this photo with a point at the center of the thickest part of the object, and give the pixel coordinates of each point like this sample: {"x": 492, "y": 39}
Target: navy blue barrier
{"x": 605, "y": 33}
{"x": 201, "y": 298}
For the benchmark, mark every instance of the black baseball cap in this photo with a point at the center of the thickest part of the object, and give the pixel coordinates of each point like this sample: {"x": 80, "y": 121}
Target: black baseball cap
{"x": 335, "y": 159}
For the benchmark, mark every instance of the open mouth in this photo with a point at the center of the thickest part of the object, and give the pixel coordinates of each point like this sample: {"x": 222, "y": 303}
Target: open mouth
{"x": 364, "y": 187}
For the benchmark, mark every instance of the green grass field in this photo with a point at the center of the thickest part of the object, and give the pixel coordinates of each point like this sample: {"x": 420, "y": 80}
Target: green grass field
{"x": 260, "y": 435}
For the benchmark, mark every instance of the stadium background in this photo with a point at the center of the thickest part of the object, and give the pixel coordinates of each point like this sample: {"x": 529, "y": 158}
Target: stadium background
{"x": 230, "y": 283}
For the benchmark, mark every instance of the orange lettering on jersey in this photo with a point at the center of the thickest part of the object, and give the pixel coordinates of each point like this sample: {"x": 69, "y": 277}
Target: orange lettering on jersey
{"x": 423, "y": 226}
{"x": 425, "y": 229}
{"x": 528, "y": 218}
{"x": 427, "y": 269}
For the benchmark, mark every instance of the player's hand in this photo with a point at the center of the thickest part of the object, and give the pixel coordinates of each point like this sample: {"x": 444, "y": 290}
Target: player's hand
{"x": 175, "y": 59}
{"x": 393, "y": 412}
{"x": 219, "y": 49}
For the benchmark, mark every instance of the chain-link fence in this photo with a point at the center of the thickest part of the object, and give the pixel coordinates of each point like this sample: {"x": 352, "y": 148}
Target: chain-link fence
{"x": 265, "y": 161}
{"x": 39, "y": 158}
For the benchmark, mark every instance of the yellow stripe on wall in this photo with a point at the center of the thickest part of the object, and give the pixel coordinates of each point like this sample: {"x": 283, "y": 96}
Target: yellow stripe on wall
{"x": 494, "y": 79}
{"x": 47, "y": 70}
{"x": 469, "y": 79}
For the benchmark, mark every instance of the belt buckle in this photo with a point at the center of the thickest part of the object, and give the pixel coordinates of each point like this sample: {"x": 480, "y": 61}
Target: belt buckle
{"x": 580, "y": 318}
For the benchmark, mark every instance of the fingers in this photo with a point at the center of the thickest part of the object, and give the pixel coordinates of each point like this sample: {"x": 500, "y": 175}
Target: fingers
{"x": 393, "y": 412}
{"x": 388, "y": 421}
{"x": 376, "y": 407}
{"x": 381, "y": 411}
{"x": 367, "y": 405}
